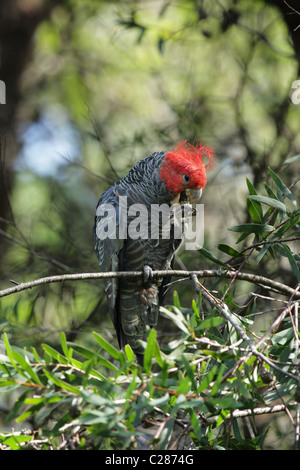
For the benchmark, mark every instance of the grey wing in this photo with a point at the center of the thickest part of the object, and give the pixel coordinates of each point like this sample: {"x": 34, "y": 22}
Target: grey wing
{"x": 108, "y": 244}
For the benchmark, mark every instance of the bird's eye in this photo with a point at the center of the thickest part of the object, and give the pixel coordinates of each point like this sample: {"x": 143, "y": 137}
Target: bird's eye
{"x": 186, "y": 179}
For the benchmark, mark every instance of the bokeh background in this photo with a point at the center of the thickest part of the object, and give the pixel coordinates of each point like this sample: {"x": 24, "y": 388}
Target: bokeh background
{"x": 92, "y": 86}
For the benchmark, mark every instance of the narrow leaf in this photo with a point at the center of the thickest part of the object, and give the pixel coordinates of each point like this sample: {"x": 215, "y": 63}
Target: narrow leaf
{"x": 284, "y": 189}
{"x": 55, "y": 354}
{"x": 92, "y": 355}
{"x": 292, "y": 159}
{"x": 292, "y": 261}
{"x": 60, "y": 383}
{"x": 64, "y": 346}
{"x": 166, "y": 434}
{"x": 251, "y": 228}
{"x": 176, "y": 319}
{"x": 149, "y": 351}
{"x": 228, "y": 250}
{"x": 129, "y": 353}
{"x": 262, "y": 252}
{"x": 211, "y": 323}
{"x": 254, "y": 207}
{"x": 211, "y": 257}
{"x": 107, "y": 346}
{"x": 269, "y": 201}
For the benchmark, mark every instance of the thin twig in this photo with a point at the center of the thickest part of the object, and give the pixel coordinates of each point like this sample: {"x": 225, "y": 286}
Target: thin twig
{"x": 294, "y": 10}
{"x": 270, "y": 242}
{"x": 223, "y": 309}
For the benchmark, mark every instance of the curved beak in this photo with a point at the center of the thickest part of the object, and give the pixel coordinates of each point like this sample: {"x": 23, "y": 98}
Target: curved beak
{"x": 188, "y": 196}
{"x": 193, "y": 195}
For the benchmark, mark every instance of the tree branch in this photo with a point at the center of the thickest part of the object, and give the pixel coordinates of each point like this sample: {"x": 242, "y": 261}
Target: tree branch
{"x": 252, "y": 278}
{"x": 254, "y": 411}
{"x": 225, "y": 312}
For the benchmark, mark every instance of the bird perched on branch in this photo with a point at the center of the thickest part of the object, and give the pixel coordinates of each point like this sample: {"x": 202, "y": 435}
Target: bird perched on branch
{"x": 131, "y": 233}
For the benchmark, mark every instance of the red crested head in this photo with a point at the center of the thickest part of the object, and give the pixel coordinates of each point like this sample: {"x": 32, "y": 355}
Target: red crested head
{"x": 184, "y": 167}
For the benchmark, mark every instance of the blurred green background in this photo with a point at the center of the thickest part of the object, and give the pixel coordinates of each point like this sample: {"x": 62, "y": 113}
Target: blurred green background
{"x": 92, "y": 87}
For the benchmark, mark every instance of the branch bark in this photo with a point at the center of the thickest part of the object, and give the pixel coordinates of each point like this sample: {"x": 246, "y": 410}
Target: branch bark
{"x": 254, "y": 411}
{"x": 252, "y": 278}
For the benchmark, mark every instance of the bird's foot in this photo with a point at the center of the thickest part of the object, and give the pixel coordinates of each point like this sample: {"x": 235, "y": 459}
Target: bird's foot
{"x": 148, "y": 273}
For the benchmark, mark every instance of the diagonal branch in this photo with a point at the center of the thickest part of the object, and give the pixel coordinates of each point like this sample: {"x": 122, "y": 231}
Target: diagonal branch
{"x": 225, "y": 312}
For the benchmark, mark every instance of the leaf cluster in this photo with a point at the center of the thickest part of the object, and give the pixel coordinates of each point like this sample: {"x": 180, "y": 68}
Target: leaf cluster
{"x": 193, "y": 391}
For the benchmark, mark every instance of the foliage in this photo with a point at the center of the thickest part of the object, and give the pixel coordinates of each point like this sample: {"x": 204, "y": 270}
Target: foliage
{"x": 107, "y": 83}
{"x": 191, "y": 392}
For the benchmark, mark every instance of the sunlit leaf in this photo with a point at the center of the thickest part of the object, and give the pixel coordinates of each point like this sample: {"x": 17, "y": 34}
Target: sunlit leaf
{"x": 293, "y": 159}
{"x": 269, "y": 201}
{"x": 107, "y": 346}
{"x": 149, "y": 351}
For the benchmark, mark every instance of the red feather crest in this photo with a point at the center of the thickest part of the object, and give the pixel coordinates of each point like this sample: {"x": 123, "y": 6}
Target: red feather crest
{"x": 188, "y": 159}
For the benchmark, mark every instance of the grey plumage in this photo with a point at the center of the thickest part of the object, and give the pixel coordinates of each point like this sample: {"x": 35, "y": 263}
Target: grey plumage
{"x": 134, "y": 303}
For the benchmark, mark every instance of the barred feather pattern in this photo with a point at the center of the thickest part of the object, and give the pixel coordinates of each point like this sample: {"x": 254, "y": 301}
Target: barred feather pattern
{"x": 134, "y": 303}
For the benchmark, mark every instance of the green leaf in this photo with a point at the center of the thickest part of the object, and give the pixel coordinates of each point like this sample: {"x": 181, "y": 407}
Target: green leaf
{"x": 55, "y": 354}
{"x": 177, "y": 318}
{"x": 228, "y": 250}
{"x": 225, "y": 403}
{"x": 26, "y": 367}
{"x": 197, "y": 429}
{"x": 129, "y": 353}
{"x": 190, "y": 370}
{"x": 251, "y": 228}
{"x": 60, "y": 383}
{"x": 254, "y": 208}
{"x": 107, "y": 346}
{"x": 269, "y": 191}
{"x": 157, "y": 354}
{"x": 9, "y": 351}
{"x": 166, "y": 433}
{"x": 292, "y": 261}
{"x": 236, "y": 431}
{"x": 149, "y": 350}
{"x": 176, "y": 300}
{"x": 292, "y": 159}
{"x": 20, "y": 362}
{"x": 18, "y": 405}
{"x": 95, "y": 399}
{"x": 93, "y": 416}
{"x": 14, "y": 441}
{"x": 262, "y": 252}
{"x": 211, "y": 323}
{"x": 184, "y": 386}
{"x": 250, "y": 187}
{"x": 64, "y": 346}
{"x": 211, "y": 257}
{"x": 283, "y": 188}
{"x": 207, "y": 378}
{"x": 270, "y": 202}
{"x": 92, "y": 355}
{"x": 283, "y": 337}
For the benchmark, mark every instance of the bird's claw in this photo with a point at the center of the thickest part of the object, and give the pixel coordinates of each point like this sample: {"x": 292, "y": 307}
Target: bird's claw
{"x": 148, "y": 273}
